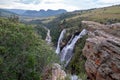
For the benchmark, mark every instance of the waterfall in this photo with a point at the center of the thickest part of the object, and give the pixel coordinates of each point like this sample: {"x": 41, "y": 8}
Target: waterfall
{"x": 67, "y": 52}
{"x": 60, "y": 40}
{"x": 48, "y": 37}
{"x": 74, "y": 77}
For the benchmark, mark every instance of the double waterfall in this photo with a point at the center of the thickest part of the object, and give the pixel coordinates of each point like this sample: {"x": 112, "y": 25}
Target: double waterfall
{"x": 67, "y": 52}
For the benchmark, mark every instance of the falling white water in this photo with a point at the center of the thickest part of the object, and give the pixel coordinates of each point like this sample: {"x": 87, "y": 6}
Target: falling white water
{"x": 48, "y": 37}
{"x": 60, "y": 40}
{"x": 67, "y": 52}
{"x": 75, "y": 77}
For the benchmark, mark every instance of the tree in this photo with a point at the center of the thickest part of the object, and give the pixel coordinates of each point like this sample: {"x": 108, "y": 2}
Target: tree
{"x": 14, "y": 18}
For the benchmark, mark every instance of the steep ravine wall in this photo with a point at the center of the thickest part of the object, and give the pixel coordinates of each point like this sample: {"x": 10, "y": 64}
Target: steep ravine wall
{"x": 102, "y": 50}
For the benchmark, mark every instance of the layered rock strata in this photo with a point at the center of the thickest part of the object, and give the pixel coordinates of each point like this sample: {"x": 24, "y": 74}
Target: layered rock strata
{"x": 102, "y": 50}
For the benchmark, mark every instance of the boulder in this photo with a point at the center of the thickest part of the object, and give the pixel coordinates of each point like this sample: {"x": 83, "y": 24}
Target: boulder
{"x": 54, "y": 72}
{"x": 57, "y": 72}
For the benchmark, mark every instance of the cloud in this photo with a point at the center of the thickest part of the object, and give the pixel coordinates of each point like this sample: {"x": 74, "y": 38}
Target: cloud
{"x": 53, "y": 1}
{"x": 4, "y": 2}
{"x": 29, "y": 1}
{"x": 109, "y": 1}
{"x": 69, "y": 5}
{"x": 46, "y": 6}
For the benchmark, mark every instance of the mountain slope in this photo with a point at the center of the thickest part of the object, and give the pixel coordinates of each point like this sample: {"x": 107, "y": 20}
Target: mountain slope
{"x": 17, "y": 11}
{"x": 34, "y": 13}
{"x": 104, "y": 15}
{"x": 5, "y": 13}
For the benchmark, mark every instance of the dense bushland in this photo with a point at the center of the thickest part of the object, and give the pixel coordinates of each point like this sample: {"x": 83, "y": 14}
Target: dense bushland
{"x": 23, "y": 54}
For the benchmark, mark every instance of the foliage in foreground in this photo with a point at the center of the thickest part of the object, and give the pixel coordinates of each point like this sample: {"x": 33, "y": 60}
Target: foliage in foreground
{"x": 23, "y": 55}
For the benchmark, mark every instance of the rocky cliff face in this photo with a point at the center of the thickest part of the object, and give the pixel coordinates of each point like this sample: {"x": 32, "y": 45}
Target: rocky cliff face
{"x": 102, "y": 50}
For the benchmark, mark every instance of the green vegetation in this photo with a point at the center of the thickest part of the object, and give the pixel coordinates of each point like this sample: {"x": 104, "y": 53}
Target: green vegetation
{"x": 55, "y": 29}
{"x": 39, "y": 27}
{"x": 41, "y": 31}
{"x": 14, "y": 18}
{"x": 23, "y": 54}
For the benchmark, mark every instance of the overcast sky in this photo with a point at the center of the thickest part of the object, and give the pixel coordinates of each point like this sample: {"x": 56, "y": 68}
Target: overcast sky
{"x": 69, "y": 5}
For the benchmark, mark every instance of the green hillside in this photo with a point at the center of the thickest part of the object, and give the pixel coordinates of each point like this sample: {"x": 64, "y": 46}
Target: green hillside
{"x": 96, "y": 14}
{"x": 103, "y": 15}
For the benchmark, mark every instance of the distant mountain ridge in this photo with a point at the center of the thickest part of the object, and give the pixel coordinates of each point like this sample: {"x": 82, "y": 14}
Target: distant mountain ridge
{"x": 34, "y": 13}
{"x": 17, "y": 11}
{"x": 6, "y": 13}
{"x": 43, "y": 13}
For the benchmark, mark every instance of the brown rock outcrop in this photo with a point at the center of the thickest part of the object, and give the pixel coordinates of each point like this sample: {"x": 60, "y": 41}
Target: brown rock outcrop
{"x": 102, "y": 50}
{"x": 57, "y": 72}
{"x": 54, "y": 72}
